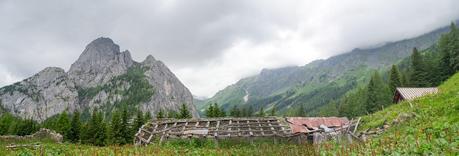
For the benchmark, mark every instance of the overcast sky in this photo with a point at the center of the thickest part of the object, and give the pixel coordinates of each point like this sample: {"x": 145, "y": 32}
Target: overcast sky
{"x": 208, "y": 44}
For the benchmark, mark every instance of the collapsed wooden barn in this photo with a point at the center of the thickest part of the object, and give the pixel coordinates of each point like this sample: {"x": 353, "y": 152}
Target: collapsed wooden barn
{"x": 299, "y": 128}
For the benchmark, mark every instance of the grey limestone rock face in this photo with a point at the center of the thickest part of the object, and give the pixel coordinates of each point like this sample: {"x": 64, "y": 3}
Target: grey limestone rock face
{"x": 52, "y": 90}
{"x": 170, "y": 93}
{"x": 100, "y": 62}
{"x": 43, "y": 95}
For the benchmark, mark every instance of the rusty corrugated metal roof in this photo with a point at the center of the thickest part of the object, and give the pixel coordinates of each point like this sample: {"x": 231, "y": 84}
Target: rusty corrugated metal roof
{"x": 301, "y": 124}
{"x": 412, "y": 93}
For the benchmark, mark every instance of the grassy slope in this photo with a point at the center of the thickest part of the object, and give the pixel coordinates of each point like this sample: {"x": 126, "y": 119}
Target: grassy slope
{"x": 434, "y": 129}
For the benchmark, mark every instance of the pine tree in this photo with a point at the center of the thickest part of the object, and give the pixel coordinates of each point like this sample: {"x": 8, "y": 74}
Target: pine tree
{"x": 184, "y": 112}
{"x": 75, "y": 129}
{"x": 210, "y": 111}
{"x": 24, "y": 127}
{"x": 448, "y": 47}
{"x": 273, "y": 111}
{"x": 215, "y": 111}
{"x": 235, "y": 112}
{"x": 249, "y": 112}
{"x": 172, "y": 114}
{"x": 160, "y": 114}
{"x": 445, "y": 69}
{"x": 220, "y": 111}
{"x": 6, "y": 122}
{"x": 431, "y": 64}
{"x": 85, "y": 135}
{"x": 453, "y": 47}
{"x": 92, "y": 128}
{"x": 100, "y": 135}
{"x": 418, "y": 76}
{"x": 395, "y": 78}
{"x": 300, "y": 112}
{"x": 115, "y": 129}
{"x": 138, "y": 122}
{"x": 354, "y": 103}
{"x": 95, "y": 131}
{"x": 261, "y": 112}
{"x": 125, "y": 127}
{"x": 405, "y": 79}
{"x": 148, "y": 115}
{"x": 378, "y": 94}
{"x": 64, "y": 125}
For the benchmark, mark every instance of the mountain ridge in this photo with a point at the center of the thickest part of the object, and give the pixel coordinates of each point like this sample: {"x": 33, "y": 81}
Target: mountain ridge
{"x": 273, "y": 87}
{"x": 102, "y": 77}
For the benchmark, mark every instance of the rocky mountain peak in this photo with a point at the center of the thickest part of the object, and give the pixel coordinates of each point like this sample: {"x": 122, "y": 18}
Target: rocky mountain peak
{"x": 47, "y": 75}
{"x": 93, "y": 82}
{"x": 150, "y": 59}
{"x": 99, "y": 50}
{"x": 100, "y": 61}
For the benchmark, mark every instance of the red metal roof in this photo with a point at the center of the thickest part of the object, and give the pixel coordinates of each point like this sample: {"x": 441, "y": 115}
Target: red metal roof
{"x": 301, "y": 124}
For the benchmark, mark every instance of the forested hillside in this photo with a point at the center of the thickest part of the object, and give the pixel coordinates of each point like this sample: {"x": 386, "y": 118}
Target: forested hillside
{"x": 318, "y": 87}
{"x": 427, "y": 68}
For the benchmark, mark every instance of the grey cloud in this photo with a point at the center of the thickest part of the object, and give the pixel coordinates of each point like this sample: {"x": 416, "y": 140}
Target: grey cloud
{"x": 190, "y": 34}
{"x": 182, "y": 33}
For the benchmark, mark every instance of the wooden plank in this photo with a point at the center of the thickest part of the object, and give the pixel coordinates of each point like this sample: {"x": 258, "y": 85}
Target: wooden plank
{"x": 162, "y": 136}
{"x": 282, "y": 128}
{"x": 250, "y": 129}
{"x": 238, "y": 129}
{"x": 356, "y": 125}
{"x": 208, "y": 124}
{"x": 230, "y": 122}
{"x": 218, "y": 124}
{"x": 272, "y": 128}
{"x": 259, "y": 125}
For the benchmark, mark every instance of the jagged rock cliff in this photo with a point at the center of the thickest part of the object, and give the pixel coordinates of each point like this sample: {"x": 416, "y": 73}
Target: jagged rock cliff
{"x": 99, "y": 62}
{"x": 103, "y": 78}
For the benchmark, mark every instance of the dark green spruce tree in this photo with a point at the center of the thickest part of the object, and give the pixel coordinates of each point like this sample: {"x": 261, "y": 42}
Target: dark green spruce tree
{"x": 454, "y": 48}
{"x": 395, "y": 79}
{"x": 148, "y": 116}
{"x": 64, "y": 125}
{"x": 116, "y": 137}
{"x": 249, "y": 111}
{"x": 261, "y": 112}
{"x": 184, "y": 112}
{"x": 378, "y": 94}
{"x": 138, "y": 122}
{"x": 172, "y": 114}
{"x": 125, "y": 127}
{"x": 448, "y": 47}
{"x": 419, "y": 76}
{"x": 445, "y": 69}
{"x": 300, "y": 112}
{"x": 220, "y": 112}
{"x": 273, "y": 111}
{"x": 235, "y": 112}
{"x": 160, "y": 114}
{"x": 215, "y": 111}
{"x": 93, "y": 127}
{"x": 75, "y": 128}
{"x": 210, "y": 111}
{"x": 353, "y": 104}
{"x": 100, "y": 136}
